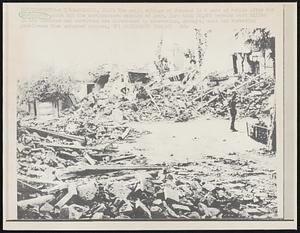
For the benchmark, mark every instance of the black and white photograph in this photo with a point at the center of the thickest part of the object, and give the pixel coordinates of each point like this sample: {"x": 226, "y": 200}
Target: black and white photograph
{"x": 132, "y": 123}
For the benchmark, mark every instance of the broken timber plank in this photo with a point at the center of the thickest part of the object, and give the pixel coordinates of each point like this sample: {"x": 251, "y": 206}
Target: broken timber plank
{"x": 123, "y": 158}
{"x": 253, "y": 85}
{"x": 159, "y": 87}
{"x": 71, "y": 172}
{"x": 66, "y": 156}
{"x": 35, "y": 201}
{"x": 208, "y": 102}
{"x": 71, "y": 192}
{"x": 24, "y": 186}
{"x": 99, "y": 156}
{"x": 72, "y": 146}
{"x": 56, "y": 134}
{"x": 56, "y": 188}
{"x": 153, "y": 101}
{"x": 236, "y": 88}
{"x": 125, "y": 133}
{"x": 39, "y": 181}
{"x": 249, "y": 80}
{"x": 202, "y": 96}
{"x": 89, "y": 159}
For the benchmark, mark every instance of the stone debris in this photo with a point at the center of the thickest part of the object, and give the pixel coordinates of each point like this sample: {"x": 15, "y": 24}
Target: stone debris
{"x": 106, "y": 197}
{"x": 98, "y": 215}
{"x": 71, "y": 167}
{"x": 181, "y": 207}
{"x": 141, "y": 210}
{"x": 171, "y": 195}
{"x": 87, "y": 192}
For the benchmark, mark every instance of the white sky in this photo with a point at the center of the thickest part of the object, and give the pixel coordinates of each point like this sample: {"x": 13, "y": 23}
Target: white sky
{"x": 79, "y": 51}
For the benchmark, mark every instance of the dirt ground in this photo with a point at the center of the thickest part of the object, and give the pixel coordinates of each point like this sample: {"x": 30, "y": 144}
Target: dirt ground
{"x": 182, "y": 141}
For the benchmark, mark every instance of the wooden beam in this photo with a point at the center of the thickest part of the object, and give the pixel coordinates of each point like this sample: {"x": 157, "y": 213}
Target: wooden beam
{"x": 120, "y": 158}
{"x": 75, "y": 171}
{"x": 35, "y": 201}
{"x": 56, "y": 188}
{"x": 71, "y": 192}
{"x": 36, "y": 180}
{"x": 88, "y": 158}
{"x": 249, "y": 80}
{"x": 243, "y": 84}
{"x": 208, "y": 102}
{"x": 125, "y": 133}
{"x": 99, "y": 156}
{"x": 56, "y": 134}
{"x": 75, "y": 147}
{"x": 202, "y": 96}
{"x": 153, "y": 101}
{"x": 23, "y": 185}
{"x": 253, "y": 85}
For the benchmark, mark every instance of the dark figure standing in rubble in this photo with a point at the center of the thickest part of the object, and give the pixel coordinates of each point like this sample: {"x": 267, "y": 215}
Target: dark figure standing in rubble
{"x": 232, "y": 109}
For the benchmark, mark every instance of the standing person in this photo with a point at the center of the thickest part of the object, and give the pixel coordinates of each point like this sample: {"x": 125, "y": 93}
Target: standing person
{"x": 272, "y": 135}
{"x": 232, "y": 109}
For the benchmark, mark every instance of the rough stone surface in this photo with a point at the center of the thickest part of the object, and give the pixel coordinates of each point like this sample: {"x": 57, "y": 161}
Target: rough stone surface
{"x": 141, "y": 210}
{"x": 87, "y": 192}
{"x": 46, "y": 208}
{"x": 171, "y": 194}
{"x": 98, "y": 215}
{"x": 180, "y": 207}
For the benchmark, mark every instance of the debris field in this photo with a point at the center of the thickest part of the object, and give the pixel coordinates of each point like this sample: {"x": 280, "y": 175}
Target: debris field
{"x": 71, "y": 168}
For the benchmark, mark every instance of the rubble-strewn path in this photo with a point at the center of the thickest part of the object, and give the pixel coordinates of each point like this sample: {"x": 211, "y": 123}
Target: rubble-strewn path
{"x": 197, "y": 169}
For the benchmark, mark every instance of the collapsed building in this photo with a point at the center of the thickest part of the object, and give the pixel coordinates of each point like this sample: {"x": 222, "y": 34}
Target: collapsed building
{"x": 70, "y": 167}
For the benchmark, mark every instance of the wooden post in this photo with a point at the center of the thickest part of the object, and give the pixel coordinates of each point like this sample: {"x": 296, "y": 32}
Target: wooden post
{"x": 34, "y": 108}
{"x": 57, "y": 108}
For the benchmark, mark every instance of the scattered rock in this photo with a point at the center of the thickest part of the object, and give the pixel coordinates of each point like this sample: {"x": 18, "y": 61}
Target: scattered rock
{"x": 156, "y": 212}
{"x": 87, "y": 192}
{"x": 122, "y": 216}
{"x": 141, "y": 210}
{"x": 126, "y": 208}
{"x": 171, "y": 195}
{"x": 169, "y": 211}
{"x": 208, "y": 186}
{"x": 119, "y": 189}
{"x": 98, "y": 215}
{"x": 193, "y": 215}
{"x": 181, "y": 207}
{"x": 203, "y": 210}
{"x": 145, "y": 185}
{"x": 71, "y": 212}
{"x": 157, "y": 202}
{"x": 46, "y": 208}
{"x": 100, "y": 208}
{"x": 212, "y": 212}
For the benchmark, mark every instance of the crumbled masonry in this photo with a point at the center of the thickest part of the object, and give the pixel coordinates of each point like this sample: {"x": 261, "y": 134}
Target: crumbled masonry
{"x": 71, "y": 167}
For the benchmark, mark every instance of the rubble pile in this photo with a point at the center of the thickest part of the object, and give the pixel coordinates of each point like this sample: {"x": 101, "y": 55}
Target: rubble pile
{"x": 253, "y": 94}
{"x": 174, "y": 101}
{"x": 171, "y": 103}
{"x": 192, "y": 190}
{"x": 165, "y": 103}
{"x": 255, "y": 98}
{"x": 71, "y": 168}
{"x": 183, "y": 102}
